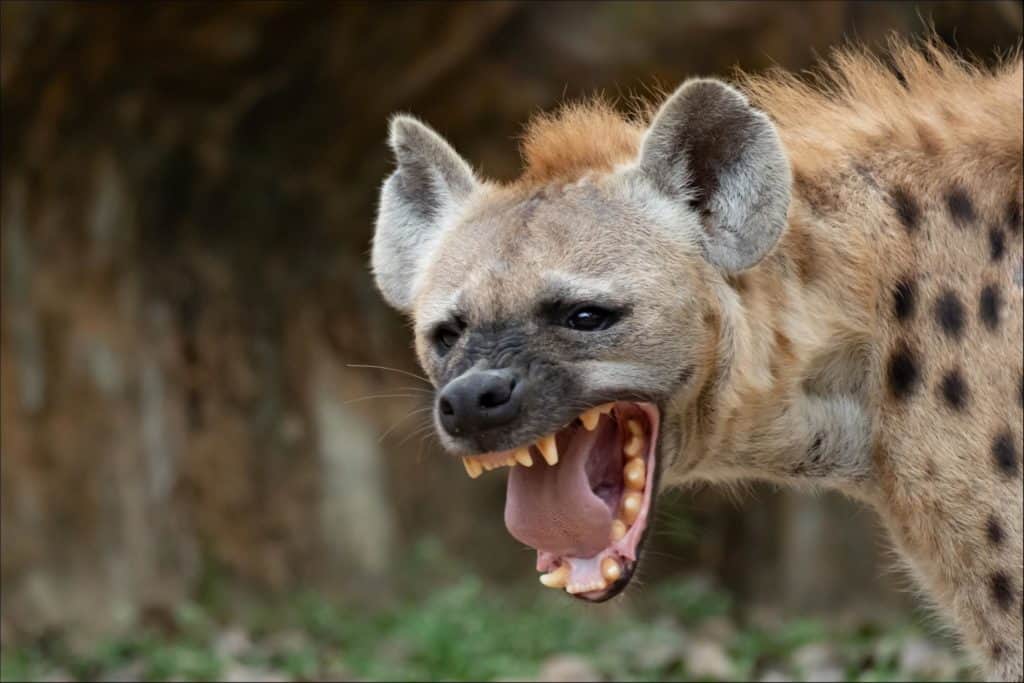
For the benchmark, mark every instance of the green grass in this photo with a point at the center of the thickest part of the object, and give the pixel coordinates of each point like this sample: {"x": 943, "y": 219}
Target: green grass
{"x": 464, "y": 631}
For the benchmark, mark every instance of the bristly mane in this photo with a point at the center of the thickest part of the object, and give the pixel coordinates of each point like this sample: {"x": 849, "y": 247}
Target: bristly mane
{"x": 916, "y": 95}
{"x": 578, "y": 138}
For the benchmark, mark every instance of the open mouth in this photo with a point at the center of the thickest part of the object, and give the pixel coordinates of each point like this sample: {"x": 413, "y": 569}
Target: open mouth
{"x": 581, "y": 497}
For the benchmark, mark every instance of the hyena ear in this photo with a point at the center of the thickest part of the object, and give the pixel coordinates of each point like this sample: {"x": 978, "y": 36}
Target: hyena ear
{"x": 708, "y": 148}
{"x": 431, "y": 182}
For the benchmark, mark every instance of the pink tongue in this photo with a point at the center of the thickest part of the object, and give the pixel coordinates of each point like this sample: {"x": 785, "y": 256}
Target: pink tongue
{"x": 553, "y": 509}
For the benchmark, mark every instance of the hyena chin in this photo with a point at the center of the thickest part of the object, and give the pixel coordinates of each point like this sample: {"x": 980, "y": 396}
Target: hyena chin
{"x": 770, "y": 282}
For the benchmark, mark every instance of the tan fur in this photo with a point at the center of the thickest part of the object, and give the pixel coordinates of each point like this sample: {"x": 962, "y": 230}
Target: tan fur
{"x": 582, "y": 137}
{"x": 933, "y": 479}
{"x": 858, "y": 105}
{"x": 802, "y": 370}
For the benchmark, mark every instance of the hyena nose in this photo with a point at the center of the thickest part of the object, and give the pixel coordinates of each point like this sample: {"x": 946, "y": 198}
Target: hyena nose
{"x": 480, "y": 400}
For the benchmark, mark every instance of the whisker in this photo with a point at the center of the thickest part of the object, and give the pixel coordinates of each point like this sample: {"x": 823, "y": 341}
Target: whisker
{"x": 419, "y": 389}
{"x": 401, "y": 420}
{"x": 384, "y": 367}
{"x": 367, "y": 398}
{"x": 415, "y": 433}
{"x": 423, "y": 442}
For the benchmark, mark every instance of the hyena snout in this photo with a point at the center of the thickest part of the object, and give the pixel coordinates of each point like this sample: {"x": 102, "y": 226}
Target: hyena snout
{"x": 480, "y": 400}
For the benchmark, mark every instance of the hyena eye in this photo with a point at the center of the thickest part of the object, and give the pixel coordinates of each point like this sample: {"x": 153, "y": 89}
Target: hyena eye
{"x": 446, "y": 336}
{"x": 591, "y": 319}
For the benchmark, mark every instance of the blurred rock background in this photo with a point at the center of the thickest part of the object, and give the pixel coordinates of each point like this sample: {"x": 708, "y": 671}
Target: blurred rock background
{"x": 187, "y": 200}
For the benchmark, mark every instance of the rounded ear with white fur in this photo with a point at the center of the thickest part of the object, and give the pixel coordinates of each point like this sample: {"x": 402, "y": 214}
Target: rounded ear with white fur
{"x": 708, "y": 149}
{"x": 431, "y": 182}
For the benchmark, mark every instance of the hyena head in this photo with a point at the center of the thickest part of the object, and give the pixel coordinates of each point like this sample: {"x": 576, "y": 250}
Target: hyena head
{"x": 562, "y": 316}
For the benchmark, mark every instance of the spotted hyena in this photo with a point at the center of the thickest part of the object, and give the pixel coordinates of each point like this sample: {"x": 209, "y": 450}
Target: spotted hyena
{"x": 812, "y": 285}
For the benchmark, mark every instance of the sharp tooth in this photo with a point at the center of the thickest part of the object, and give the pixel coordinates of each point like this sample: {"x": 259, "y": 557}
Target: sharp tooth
{"x": 557, "y": 578}
{"x": 634, "y": 428}
{"x": 523, "y": 457}
{"x": 606, "y": 408}
{"x": 473, "y": 467}
{"x": 631, "y": 504}
{"x": 633, "y": 446}
{"x": 635, "y": 474}
{"x": 618, "y": 530}
{"x": 591, "y": 418}
{"x": 549, "y": 449}
{"x": 611, "y": 570}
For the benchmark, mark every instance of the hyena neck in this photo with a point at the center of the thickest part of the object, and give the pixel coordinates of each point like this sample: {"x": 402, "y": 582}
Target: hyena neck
{"x": 784, "y": 397}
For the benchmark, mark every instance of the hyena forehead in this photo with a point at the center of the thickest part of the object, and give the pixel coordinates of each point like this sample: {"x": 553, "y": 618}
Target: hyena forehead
{"x": 596, "y": 238}
{"x": 709, "y": 170}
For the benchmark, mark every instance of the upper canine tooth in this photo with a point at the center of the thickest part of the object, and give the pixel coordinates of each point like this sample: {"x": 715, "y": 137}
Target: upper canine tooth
{"x": 557, "y": 578}
{"x": 605, "y": 408}
{"x": 549, "y": 449}
{"x": 473, "y": 467}
{"x": 591, "y": 418}
{"x": 523, "y": 457}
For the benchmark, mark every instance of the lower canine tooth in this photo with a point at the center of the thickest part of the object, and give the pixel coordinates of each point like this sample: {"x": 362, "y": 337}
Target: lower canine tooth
{"x": 549, "y": 449}
{"x": 635, "y": 474}
{"x": 618, "y": 530}
{"x": 557, "y": 578}
{"x": 631, "y": 504}
{"x": 523, "y": 457}
{"x": 611, "y": 570}
{"x": 473, "y": 467}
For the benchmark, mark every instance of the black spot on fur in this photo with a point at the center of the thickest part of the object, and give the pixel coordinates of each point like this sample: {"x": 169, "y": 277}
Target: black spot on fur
{"x": 949, "y": 314}
{"x": 903, "y": 372}
{"x": 906, "y": 208}
{"x": 1013, "y": 217}
{"x": 954, "y": 389}
{"x": 998, "y": 651}
{"x": 991, "y": 302}
{"x": 996, "y": 242}
{"x": 1004, "y": 452}
{"x": 994, "y": 531}
{"x": 1001, "y": 588}
{"x": 738, "y": 282}
{"x": 904, "y": 299}
{"x": 960, "y": 206}
{"x": 814, "y": 452}
{"x": 684, "y": 375}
